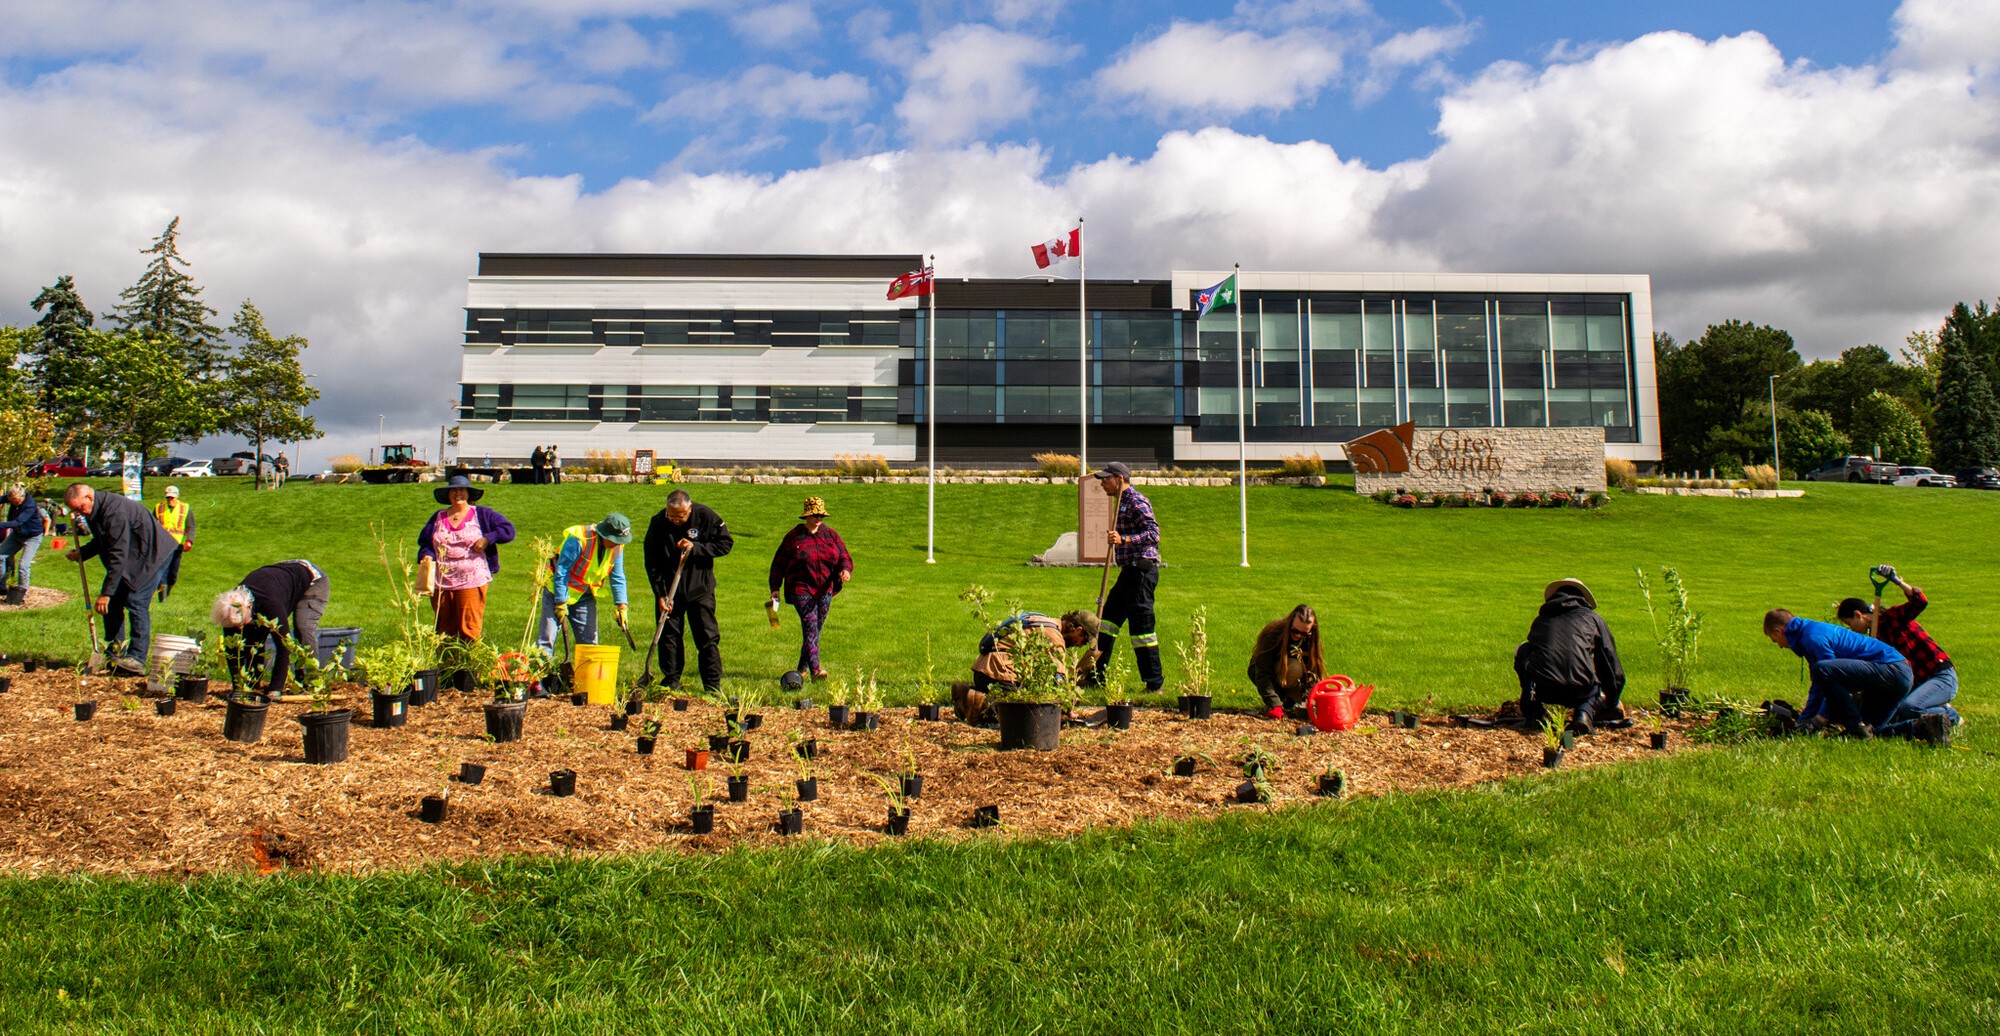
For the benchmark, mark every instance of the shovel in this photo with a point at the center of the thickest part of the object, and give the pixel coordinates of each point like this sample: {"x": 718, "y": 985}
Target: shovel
{"x": 90, "y": 618}
{"x": 1104, "y": 580}
{"x": 1881, "y": 582}
{"x": 646, "y": 674}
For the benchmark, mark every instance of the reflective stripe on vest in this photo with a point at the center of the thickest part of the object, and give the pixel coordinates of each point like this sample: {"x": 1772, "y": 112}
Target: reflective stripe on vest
{"x": 588, "y": 571}
{"x": 174, "y": 516}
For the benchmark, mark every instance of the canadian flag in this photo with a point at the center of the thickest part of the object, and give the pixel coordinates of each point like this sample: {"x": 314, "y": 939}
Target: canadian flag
{"x": 1068, "y": 246}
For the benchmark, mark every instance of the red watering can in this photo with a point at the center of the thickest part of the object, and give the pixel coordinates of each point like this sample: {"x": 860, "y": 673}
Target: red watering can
{"x": 1336, "y": 702}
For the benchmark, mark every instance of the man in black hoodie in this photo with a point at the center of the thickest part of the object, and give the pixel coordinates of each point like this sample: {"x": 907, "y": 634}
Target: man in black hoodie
{"x": 136, "y": 549}
{"x": 693, "y": 530}
{"x": 1570, "y": 660}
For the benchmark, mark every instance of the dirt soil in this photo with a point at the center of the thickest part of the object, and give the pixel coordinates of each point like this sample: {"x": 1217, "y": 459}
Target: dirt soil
{"x": 38, "y": 597}
{"x": 131, "y": 792}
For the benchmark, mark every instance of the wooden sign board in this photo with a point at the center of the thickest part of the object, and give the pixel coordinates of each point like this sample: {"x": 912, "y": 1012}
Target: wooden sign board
{"x": 1095, "y": 515}
{"x": 642, "y": 463}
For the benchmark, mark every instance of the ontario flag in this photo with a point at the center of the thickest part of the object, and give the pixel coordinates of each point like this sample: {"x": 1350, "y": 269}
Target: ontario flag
{"x": 916, "y": 282}
{"x": 1068, "y": 246}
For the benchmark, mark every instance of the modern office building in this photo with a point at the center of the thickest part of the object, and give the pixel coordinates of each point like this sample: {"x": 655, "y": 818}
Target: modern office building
{"x": 798, "y": 358}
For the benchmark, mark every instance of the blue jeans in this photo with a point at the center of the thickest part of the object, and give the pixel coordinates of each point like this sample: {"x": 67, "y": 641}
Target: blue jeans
{"x": 131, "y": 607}
{"x": 582, "y": 621}
{"x": 25, "y": 547}
{"x": 1841, "y": 685}
{"x": 1925, "y": 698}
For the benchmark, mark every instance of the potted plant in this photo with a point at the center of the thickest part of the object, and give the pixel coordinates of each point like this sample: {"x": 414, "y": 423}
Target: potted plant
{"x": 390, "y": 668}
{"x": 1030, "y": 708}
{"x": 1258, "y": 762}
{"x": 1332, "y": 780}
{"x": 807, "y": 782}
{"x": 911, "y": 781}
{"x": 1188, "y": 759}
{"x": 192, "y": 686}
{"x": 899, "y": 811}
{"x": 697, "y": 759}
{"x": 836, "y": 709}
{"x": 738, "y": 784}
{"x": 1658, "y": 737}
{"x": 867, "y": 701}
{"x": 986, "y": 816}
{"x": 325, "y": 726}
{"x": 791, "y": 819}
{"x": 701, "y": 812}
{"x": 649, "y": 734}
{"x": 1196, "y": 702}
{"x": 243, "y": 716}
{"x": 933, "y": 694}
{"x": 1553, "y": 744}
{"x": 508, "y": 677}
{"x": 562, "y": 783}
{"x": 1678, "y": 633}
{"x": 431, "y": 809}
{"x": 1115, "y": 691}
{"x": 84, "y": 709}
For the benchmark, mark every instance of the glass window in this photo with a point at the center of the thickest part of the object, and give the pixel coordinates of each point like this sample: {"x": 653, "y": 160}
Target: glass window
{"x": 877, "y": 403}
{"x": 1276, "y": 408}
{"x": 967, "y": 338}
{"x": 1569, "y": 408}
{"x": 1468, "y": 408}
{"x": 805, "y": 404}
{"x": 1338, "y": 407}
{"x": 873, "y": 329}
{"x": 666, "y": 334}
{"x": 551, "y": 403}
{"x": 1522, "y": 408}
{"x": 1427, "y": 407}
{"x": 1606, "y": 333}
{"x": 1335, "y": 326}
{"x": 1278, "y": 330}
{"x": 1217, "y": 401}
{"x": 1461, "y": 330}
{"x": 480, "y": 402}
{"x": 1028, "y": 337}
{"x": 1378, "y": 407}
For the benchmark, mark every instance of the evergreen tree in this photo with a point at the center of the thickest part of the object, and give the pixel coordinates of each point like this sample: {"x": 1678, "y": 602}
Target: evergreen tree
{"x": 166, "y": 302}
{"x": 64, "y": 317}
{"x": 267, "y": 392}
{"x": 1968, "y": 417}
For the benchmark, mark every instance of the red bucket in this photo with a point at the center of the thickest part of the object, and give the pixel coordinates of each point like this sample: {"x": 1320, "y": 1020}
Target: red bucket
{"x": 1336, "y": 702}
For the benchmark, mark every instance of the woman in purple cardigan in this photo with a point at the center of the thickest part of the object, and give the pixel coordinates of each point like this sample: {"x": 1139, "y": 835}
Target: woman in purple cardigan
{"x": 464, "y": 542}
{"x": 810, "y": 567}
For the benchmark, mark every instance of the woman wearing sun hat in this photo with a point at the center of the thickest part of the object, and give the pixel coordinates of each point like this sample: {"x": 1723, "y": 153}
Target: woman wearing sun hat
{"x": 462, "y": 542}
{"x": 811, "y": 565}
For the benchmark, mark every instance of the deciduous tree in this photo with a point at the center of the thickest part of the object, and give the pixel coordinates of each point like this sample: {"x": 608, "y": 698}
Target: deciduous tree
{"x": 267, "y": 392}
{"x": 1882, "y": 421}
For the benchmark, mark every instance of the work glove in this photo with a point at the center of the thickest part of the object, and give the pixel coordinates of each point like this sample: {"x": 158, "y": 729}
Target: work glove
{"x": 621, "y": 614}
{"x": 187, "y": 544}
{"x": 1886, "y": 571}
{"x": 1275, "y": 712}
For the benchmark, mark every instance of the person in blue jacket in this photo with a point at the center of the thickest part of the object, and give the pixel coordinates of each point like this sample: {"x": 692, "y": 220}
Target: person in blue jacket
{"x": 23, "y": 531}
{"x": 1852, "y": 675}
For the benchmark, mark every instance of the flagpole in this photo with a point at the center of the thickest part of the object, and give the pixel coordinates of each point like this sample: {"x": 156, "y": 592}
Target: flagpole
{"x": 1083, "y": 355}
{"x": 1242, "y": 460}
{"x": 930, "y": 420}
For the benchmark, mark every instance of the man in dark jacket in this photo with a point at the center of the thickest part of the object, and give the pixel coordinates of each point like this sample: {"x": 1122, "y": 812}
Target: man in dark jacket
{"x": 1570, "y": 660}
{"x": 690, "y": 531}
{"x": 136, "y": 549}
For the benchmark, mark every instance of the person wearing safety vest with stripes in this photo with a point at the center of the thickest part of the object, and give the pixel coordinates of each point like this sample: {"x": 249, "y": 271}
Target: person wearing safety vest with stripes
{"x": 178, "y": 519}
{"x": 591, "y": 556}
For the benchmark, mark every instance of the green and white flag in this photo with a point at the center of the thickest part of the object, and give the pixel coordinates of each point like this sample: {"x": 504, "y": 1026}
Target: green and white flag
{"x": 1223, "y": 294}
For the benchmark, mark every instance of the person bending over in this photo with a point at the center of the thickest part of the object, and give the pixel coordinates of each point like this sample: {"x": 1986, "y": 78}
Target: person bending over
{"x": 1286, "y": 662}
{"x": 276, "y": 601}
{"x": 996, "y": 662}
{"x": 1925, "y": 713}
{"x": 1851, "y": 675}
{"x": 1570, "y": 659}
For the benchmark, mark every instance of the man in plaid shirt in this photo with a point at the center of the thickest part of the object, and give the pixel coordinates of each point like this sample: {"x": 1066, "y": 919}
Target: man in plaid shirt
{"x": 1924, "y": 713}
{"x": 1135, "y": 546}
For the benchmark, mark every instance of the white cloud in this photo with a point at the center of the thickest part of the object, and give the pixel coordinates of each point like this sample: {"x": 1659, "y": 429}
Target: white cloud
{"x": 974, "y": 78}
{"x": 618, "y": 47}
{"x": 1949, "y": 34}
{"x": 1017, "y": 12}
{"x": 769, "y": 92}
{"x": 1418, "y": 48}
{"x": 776, "y": 25}
{"x": 1202, "y": 68}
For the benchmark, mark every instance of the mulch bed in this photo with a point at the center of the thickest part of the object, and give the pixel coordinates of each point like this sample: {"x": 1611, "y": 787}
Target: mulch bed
{"x": 131, "y": 792}
{"x": 38, "y": 597}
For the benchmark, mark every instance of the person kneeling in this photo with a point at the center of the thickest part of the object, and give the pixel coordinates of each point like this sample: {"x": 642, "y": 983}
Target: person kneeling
{"x": 1570, "y": 660}
{"x": 1285, "y": 663}
{"x": 1926, "y": 713}
{"x": 1852, "y": 676}
{"x": 996, "y": 664}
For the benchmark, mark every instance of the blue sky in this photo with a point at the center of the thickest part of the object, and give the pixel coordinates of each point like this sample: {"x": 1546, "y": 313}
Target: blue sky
{"x": 1827, "y": 168}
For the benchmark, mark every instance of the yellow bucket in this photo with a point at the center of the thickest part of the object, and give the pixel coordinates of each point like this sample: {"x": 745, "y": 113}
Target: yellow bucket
{"x": 597, "y": 673}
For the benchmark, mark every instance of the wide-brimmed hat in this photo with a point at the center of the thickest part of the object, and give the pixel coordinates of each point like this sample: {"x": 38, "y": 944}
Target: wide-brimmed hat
{"x": 814, "y": 506}
{"x": 472, "y": 492}
{"x": 1574, "y": 584}
{"x": 615, "y": 527}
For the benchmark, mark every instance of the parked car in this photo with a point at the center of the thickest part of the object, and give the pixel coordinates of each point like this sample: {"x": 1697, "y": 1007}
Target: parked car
{"x": 1854, "y": 469}
{"x": 63, "y": 467}
{"x": 243, "y": 462}
{"x": 1978, "y": 478}
{"x": 106, "y": 471}
{"x": 1914, "y": 475}
{"x": 159, "y": 466}
{"x": 194, "y": 469}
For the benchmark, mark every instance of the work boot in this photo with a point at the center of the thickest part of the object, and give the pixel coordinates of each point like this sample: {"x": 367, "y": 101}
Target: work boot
{"x": 129, "y": 667}
{"x": 1932, "y": 729}
{"x": 1857, "y": 731}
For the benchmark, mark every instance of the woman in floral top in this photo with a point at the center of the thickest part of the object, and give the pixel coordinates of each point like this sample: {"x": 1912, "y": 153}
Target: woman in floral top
{"x": 464, "y": 542}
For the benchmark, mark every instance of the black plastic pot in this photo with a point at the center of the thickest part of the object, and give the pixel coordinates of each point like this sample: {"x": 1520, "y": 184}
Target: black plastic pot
{"x": 426, "y": 681}
{"x": 1118, "y": 717}
{"x": 1659, "y": 740}
{"x": 1197, "y": 706}
{"x": 633, "y": 706}
{"x": 1029, "y": 724}
{"x": 913, "y": 786}
{"x": 867, "y": 721}
{"x": 619, "y": 721}
{"x": 562, "y": 783}
{"x": 580, "y": 699}
{"x": 986, "y": 816}
{"x": 462, "y": 681}
{"x": 193, "y": 689}
{"x": 389, "y": 710}
{"x": 930, "y": 713}
{"x": 808, "y": 789}
{"x": 243, "y": 721}
{"x": 326, "y": 735}
{"x": 646, "y": 746}
{"x": 85, "y": 710}
{"x": 718, "y": 743}
{"x": 6, "y": 684}
{"x": 503, "y": 720}
{"x": 791, "y": 821}
{"x": 431, "y": 809}
{"x": 1184, "y": 767}
{"x": 420, "y": 695}
{"x": 1551, "y": 757}
{"x": 836, "y": 715}
{"x": 165, "y": 706}
{"x": 739, "y": 789}
{"x": 752, "y": 721}
{"x": 1248, "y": 792}
{"x": 733, "y": 725}
{"x": 1332, "y": 785}
{"x": 471, "y": 773}
{"x": 1672, "y": 700}
{"x": 807, "y": 749}
{"x": 738, "y": 751}
{"x": 1409, "y": 721}
{"x": 680, "y": 704}
{"x": 1395, "y": 717}
{"x": 29, "y": 664}
{"x": 701, "y": 820}
{"x": 899, "y": 822}
{"x": 803, "y": 704}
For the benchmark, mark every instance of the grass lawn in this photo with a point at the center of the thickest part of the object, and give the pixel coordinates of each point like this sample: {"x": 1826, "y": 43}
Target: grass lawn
{"x": 1770, "y": 887}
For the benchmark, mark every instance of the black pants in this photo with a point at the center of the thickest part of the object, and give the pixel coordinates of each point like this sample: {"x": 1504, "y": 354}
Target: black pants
{"x": 1130, "y": 605}
{"x": 697, "y": 611}
{"x": 173, "y": 569}
{"x": 1589, "y": 700}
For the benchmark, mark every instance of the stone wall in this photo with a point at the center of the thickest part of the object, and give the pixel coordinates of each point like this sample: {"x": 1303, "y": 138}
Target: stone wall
{"x": 1512, "y": 460}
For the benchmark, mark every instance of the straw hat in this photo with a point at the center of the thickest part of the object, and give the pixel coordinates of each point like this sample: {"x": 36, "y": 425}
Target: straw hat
{"x": 814, "y": 506}
{"x": 1575, "y": 584}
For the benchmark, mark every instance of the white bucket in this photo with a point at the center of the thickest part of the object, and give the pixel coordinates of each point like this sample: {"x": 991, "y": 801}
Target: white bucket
{"x": 171, "y": 654}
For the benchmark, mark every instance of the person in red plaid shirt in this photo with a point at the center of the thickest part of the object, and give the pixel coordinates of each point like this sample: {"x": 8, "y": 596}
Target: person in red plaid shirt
{"x": 1135, "y": 546}
{"x": 1924, "y": 713}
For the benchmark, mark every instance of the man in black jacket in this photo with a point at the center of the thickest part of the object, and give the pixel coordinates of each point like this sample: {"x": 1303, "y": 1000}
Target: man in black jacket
{"x": 690, "y": 531}
{"x": 1570, "y": 660}
{"x": 136, "y": 549}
